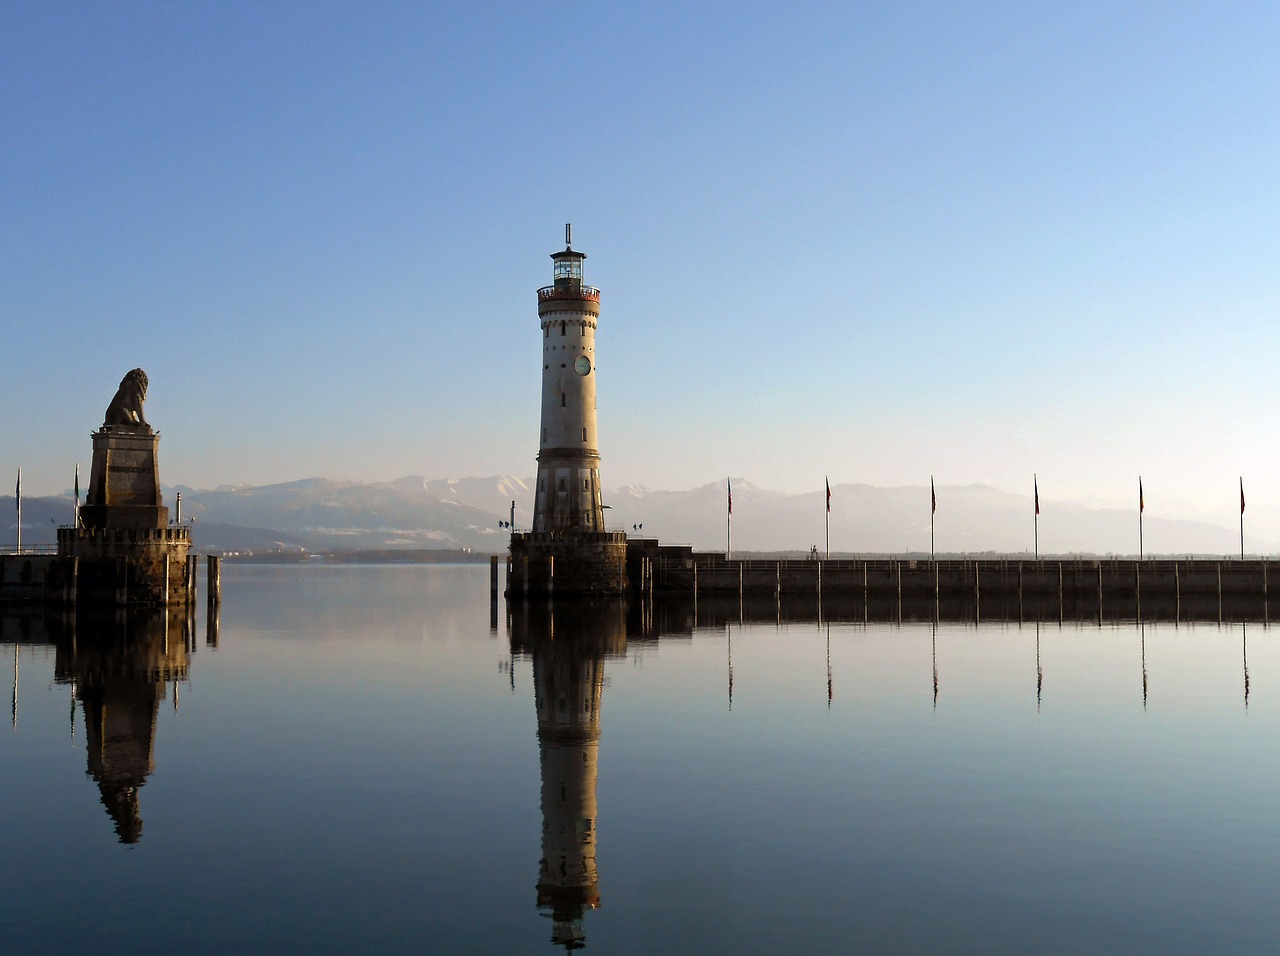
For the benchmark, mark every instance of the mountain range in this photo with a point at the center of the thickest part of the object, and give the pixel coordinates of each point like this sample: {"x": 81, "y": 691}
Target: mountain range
{"x": 319, "y": 515}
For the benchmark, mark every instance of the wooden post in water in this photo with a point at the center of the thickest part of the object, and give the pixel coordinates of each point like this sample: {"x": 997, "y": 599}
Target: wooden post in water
{"x": 977, "y": 591}
{"x": 899, "y": 569}
{"x": 777, "y": 581}
{"x": 1219, "y": 563}
{"x": 493, "y": 577}
{"x": 1059, "y": 592}
{"x": 1177, "y": 593}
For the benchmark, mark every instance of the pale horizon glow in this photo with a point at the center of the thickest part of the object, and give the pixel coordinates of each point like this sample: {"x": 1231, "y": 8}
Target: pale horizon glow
{"x": 867, "y": 242}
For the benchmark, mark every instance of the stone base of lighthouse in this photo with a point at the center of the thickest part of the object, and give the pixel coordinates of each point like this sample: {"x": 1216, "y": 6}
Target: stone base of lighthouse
{"x": 567, "y": 562}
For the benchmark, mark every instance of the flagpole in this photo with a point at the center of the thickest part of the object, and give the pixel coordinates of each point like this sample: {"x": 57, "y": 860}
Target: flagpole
{"x": 75, "y": 512}
{"x": 728, "y": 521}
{"x": 1242, "y": 517}
{"x": 1142, "y": 506}
{"x": 1035, "y": 483}
{"x": 828, "y": 481}
{"x": 933, "y": 510}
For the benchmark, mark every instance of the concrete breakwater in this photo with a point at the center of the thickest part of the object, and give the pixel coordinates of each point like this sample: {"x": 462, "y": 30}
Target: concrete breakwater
{"x": 1008, "y": 589}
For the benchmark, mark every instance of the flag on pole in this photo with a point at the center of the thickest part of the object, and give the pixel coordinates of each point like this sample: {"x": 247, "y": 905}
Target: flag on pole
{"x": 828, "y": 496}
{"x": 729, "y": 488}
{"x": 1036, "y": 484}
{"x": 77, "y": 483}
{"x": 17, "y": 492}
{"x": 1242, "y": 494}
{"x": 1142, "y": 504}
{"x": 933, "y": 496}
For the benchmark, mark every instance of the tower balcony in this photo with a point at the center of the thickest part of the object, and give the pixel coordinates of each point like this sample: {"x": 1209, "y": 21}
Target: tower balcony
{"x": 569, "y": 292}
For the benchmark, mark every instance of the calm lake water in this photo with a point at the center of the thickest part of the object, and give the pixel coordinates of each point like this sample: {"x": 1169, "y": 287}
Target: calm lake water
{"x": 364, "y": 763}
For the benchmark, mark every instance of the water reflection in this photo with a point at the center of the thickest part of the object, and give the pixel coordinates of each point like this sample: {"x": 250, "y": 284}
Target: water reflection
{"x": 569, "y": 646}
{"x": 119, "y": 667}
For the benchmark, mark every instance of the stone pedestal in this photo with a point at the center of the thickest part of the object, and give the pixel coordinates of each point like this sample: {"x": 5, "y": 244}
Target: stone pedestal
{"x": 124, "y": 482}
{"x": 124, "y": 552}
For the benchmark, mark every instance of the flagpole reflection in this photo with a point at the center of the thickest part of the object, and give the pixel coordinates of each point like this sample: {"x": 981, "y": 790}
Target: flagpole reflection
{"x": 1039, "y": 672}
{"x": 1142, "y": 631}
{"x": 935, "y": 666}
{"x": 1244, "y": 656}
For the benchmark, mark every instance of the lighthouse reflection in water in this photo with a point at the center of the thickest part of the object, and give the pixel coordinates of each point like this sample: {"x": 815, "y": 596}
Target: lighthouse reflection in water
{"x": 569, "y": 645}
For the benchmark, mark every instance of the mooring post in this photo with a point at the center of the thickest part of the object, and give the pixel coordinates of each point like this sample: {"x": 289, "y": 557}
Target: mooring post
{"x": 493, "y": 577}
{"x": 777, "y": 580}
{"x": 819, "y": 588}
{"x": 551, "y": 576}
{"x": 213, "y": 570}
{"x": 1059, "y": 592}
{"x": 739, "y": 584}
{"x": 1177, "y": 592}
{"x": 1099, "y": 590}
{"x": 1219, "y": 563}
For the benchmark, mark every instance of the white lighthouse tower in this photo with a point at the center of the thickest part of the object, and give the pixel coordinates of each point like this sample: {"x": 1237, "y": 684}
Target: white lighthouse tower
{"x": 568, "y": 488}
{"x": 568, "y": 550}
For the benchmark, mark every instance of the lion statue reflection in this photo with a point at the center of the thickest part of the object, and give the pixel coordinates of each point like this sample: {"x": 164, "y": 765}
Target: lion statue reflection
{"x": 126, "y": 407}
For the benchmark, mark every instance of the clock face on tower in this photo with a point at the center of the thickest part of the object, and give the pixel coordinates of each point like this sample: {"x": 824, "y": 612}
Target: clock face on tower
{"x": 582, "y": 365}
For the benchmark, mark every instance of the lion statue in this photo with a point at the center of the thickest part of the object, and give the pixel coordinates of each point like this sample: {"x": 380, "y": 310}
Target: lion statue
{"x": 126, "y": 407}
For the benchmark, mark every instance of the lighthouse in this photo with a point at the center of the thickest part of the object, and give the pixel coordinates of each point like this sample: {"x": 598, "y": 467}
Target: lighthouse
{"x": 568, "y": 488}
{"x": 569, "y": 550}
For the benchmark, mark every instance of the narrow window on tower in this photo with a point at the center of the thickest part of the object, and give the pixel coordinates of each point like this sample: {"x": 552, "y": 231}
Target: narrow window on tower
{"x": 584, "y": 434}
{"x": 562, "y": 328}
{"x": 546, "y": 332}
{"x": 562, "y": 399}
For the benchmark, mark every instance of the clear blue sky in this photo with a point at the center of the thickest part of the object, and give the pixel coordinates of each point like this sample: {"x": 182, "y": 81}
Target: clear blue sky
{"x": 870, "y": 240}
